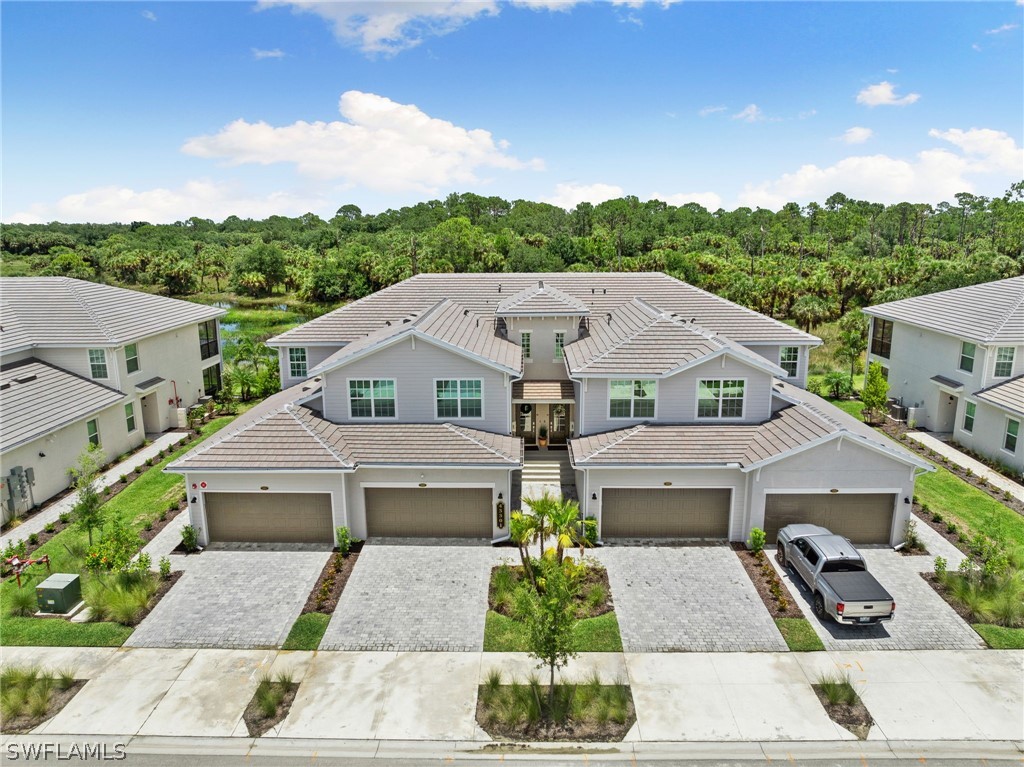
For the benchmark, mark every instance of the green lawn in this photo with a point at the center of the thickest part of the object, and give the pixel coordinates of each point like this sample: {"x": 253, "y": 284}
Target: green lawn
{"x": 851, "y": 406}
{"x": 307, "y": 632}
{"x": 139, "y": 503}
{"x": 952, "y": 497}
{"x": 1000, "y": 637}
{"x": 799, "y": 635}
{"x": 600, "y": 634}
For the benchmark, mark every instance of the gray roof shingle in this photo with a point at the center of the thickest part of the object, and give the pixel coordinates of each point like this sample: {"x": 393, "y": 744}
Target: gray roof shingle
{"x": 37, "y": 398}
{"x": 1008, "y": 395}
{"x": 992, "y": 312}
{"x": 60, "y": 311}
{"x": 541, "y": 300}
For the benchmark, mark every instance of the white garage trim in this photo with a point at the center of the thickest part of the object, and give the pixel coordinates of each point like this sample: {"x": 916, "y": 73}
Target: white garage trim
{"x": 600, "y": 514}
{"x": 493, "y": 487}
{"x": 897, "y": 494}
{"x": 201, "y": 504}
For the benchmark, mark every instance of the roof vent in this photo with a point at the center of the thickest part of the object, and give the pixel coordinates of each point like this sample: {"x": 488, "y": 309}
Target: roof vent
{"x": 499, "y": 287}
{"x": 604, "y": 290}
{"x": 478, "y": 322}
{"x": 609, "y": 318}
{"x": 5, "y": 385}
{"x": 540, "y": 284}
{"x": 407, "y": 319}
{"x": 388, "y": 323}
{"x": 465, "y": 312}
{"x": 593, "y": 291}
{"x": 693, "y": 320}
{"x": 25, "y": 379}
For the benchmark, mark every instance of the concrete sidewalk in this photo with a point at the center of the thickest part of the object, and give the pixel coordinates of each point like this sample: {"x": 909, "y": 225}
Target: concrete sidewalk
{"x": 389, "y": 697}
{"x": 36, "y": 523}
{"x": 966, "y": 462}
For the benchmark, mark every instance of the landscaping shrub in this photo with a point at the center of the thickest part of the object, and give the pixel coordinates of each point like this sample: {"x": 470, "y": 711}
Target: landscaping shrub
{"x": 165, "y": 568}
{"x": 64, "y": 517}
{"x": 117, "y": 548}
{"x": 33, "y": 539}
{"x": 757, "y": 540}
{"x": 123, "y": 479}
{"x": 50, "y": 527}
{"x": 344, "y": 539}
{"x": 121, "y": 597}
{"x": 838, "y": 689}
{"x": 23, "y": 602}
{"x": 190, "y": 538}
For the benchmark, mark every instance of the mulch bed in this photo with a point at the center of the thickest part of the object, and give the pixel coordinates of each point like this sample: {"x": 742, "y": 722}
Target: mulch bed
{"x": 571, "y": 730}
{"x": 764, "y": 577}
{"x": 594, "y": 575}
{"x": 160, "y": 524}
{"x": 253, "y": 715}
{"x": 856, "y": 718}
{"x": 940, "y": 588}
{"x": 325, "y": 600}
{"x": 162, "y": 589}
{"x": 897, "y": 431}
{"x": 942, "y": 528}
{"x": 58, "y": 699}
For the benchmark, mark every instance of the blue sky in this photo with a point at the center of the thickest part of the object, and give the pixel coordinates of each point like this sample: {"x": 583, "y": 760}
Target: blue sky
{"x": 160, "y": 111}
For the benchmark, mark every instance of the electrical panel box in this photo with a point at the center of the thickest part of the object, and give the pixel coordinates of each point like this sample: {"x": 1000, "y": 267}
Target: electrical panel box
{"x": 59, "y": 593}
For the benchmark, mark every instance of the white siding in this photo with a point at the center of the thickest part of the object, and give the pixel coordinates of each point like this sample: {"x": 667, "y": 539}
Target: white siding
{"x": 987, "y": 435}
{"x": 771, "y": 353}
{"x": 677, "y": 397}
{"x": 314, "y": 356}
{"x": 414, "y": 371}
{"x": 544, "y": 366}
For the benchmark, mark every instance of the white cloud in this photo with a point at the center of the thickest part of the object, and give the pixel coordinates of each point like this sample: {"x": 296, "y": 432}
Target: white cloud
{"x": 884, "y": 94}
{"x": 380, "y": 145}
{"x": 709, "y": 200}
{"x": 260, "y": 53}
{"x": 932, "y": 175}
{"x": 975, "y": 47}
{"x": 571, "y": 194}
{"x": 751, "y": 113}
{"x": 711, "y": 110}
{"x": 148, "y": 15}
{"x": 807, "y": 114}
{"x": 856, "y": 135}
{"x": 892, "y": 71}
{"x": 208, "y": 199}
{"x": 547, "y": 5}
{"x": 1003, "y": 28}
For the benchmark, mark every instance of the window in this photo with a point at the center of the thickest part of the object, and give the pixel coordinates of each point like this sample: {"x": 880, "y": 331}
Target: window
{"x": 559, "y": 345}
{"x": 1004, "y": 362}
{"x": 967, "y": 357}
{"x": 1012, "y": 432}
{"x": 881, "y": 338}
{"x": 129, "y": 416}
{"x": 131, "y": 357}
{"x": 460, "y": 399}
{"x": 720, "y": 399}
{"x": 98, "y": 363}
{"x": 527, "y": 345}
{"x": 372, "y": 398}
{"x": 969, "y": 410}
{"x": 92, "y": 428}
{"x": 632, "y": 399}
{"x": 211, "y": 380}
{"x": 208, "y": 339}
{"x": 297, "y": 363}
{"x": 789, "y": 359}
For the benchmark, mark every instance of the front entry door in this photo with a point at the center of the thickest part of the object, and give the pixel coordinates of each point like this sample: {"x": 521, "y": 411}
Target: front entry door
{"x": 558, "y": 423}
{"x": 527, "y": 429}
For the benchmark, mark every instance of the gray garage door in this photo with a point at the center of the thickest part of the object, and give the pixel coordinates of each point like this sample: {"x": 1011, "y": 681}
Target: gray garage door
{"x": 269, "y": 517}
{"x": 429, "y": 512}
{"x": 863, "y": 518}
{"x": 657, "y": 512}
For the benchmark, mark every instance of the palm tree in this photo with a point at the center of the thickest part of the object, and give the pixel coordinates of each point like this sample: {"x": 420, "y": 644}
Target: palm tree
{"x": 565, "y": 526}
{"x": 542, "y": 508}
{"x": 523, "y": 529}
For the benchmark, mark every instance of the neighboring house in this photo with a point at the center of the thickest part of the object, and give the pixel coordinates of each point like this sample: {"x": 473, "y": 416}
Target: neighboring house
{"x": 955, "y": 360}
{"x": 411, "y": 412}
{"x": 85, "y": 363}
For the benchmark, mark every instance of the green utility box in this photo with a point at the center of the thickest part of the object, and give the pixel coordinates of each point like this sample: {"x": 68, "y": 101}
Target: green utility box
{"x": 59, "y": 593}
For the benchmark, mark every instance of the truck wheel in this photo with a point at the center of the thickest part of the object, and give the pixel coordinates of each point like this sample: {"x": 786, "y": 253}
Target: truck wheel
{"x": 819, "y": 606}
{"x": 780, "y": 554}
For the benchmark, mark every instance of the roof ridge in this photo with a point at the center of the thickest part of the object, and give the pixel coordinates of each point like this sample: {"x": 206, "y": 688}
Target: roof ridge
{"x": 1002, "y": 323}
{"x": 461, "y": 430}
{"x": 290, "y": 408}
{"x": 624, "y": 339}
{"x": 618, "y": 440}
{"x": 990, "y": 387}
{"x": 72, "y": 289}
{"x": 221, "y": 438}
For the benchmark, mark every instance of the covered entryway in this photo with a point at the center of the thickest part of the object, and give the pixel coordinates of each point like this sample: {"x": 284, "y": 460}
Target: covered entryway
{"x": 428, "y": 512}
{"x": 269, "y": 517}
{"x": 544, "y": 409}
{"x": 657, "y": 512}
{"x": 861, "y": 517}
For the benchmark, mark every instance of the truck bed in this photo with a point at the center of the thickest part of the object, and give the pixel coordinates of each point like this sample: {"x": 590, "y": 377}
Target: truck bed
{"x": 856, "y": 587}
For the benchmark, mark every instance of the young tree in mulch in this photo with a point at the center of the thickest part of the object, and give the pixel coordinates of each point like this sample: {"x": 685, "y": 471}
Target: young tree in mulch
{"x": 88, "y": 511}
{"x": 876, "y": 393}
{"x": 550, "y": 617}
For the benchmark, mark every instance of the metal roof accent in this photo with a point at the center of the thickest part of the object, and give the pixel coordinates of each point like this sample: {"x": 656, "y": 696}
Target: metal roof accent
{"x": 149, "y": 383}
{"x": 1007, "y": 395}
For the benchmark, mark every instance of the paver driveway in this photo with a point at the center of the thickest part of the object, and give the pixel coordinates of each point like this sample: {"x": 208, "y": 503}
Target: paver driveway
{"x": 686, "y": 599}
{"x": 236, "y": 599}
{"x": 923, "y": 619}
{"x": 415, "y": 597}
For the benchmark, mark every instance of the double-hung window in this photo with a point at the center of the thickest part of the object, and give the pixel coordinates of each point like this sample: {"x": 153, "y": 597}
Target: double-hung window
{"x": 789, "y": 359}
{"x": 92, "y": 430}
{"x": 129, "y": 416}
{"x": 1010, "y": 437}
{"x": 967, "y": 352}
{"x": 297, "y": 362}
{"x": 559, "y": 345}
{"x": 527, "y": 345}
{"x": 1004, "y": 362}
{"x": 881, "y": 337}
{"x": 460, "y": 398}
{"x": 632, "y": 399}
{"x": 372, "y": 397}
{"x": 211, "y": 380}
{"x": 208, "y": 339}
{"x": 98, "y": 363}
{"x": 720, "y": 399}
{"x": 131, "y": 358}
{"x": 969, "y": 410}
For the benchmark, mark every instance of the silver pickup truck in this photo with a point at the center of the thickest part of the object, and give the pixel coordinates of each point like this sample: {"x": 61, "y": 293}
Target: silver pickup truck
{"x": 836, "y": 574}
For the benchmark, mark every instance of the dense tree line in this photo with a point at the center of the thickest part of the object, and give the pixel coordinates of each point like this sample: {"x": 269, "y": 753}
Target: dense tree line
{"x": 810, "y": 264}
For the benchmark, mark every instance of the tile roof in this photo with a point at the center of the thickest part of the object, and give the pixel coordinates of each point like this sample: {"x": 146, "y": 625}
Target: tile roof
{"x": 640, "y": 338}
{"x": 600, "y": 292}
{"x": 281, "y": 435}
{"x": 37, "y": 398}
{"x": 60, "y": 311}
{"x": 543, "y": 391}
{"x": 447, "y": 323}
{"x": 992, "y": 312}
{"x": 744, "y": 445}
{"x": 1008, "y": 395}
{"x": 541, "y": 300}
